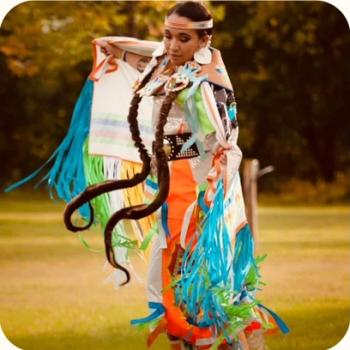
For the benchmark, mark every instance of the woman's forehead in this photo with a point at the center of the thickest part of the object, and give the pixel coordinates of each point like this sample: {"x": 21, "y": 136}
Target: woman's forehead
{"x": 176, "y": 32}
{"x": 176, "y": 24}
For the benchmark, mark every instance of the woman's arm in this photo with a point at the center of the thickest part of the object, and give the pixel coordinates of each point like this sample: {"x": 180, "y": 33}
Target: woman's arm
{"x": 138, "y": 62}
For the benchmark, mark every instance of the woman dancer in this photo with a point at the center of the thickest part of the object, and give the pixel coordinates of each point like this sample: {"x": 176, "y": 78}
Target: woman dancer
{"x": 203, "y": 276}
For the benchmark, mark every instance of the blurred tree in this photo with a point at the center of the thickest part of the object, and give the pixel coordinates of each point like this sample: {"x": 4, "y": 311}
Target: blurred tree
{"x": 46, "y": 55}
{"x": 51, "y": 36}
{"x": 44, "y": 36}
{"x": 289, "y": 61}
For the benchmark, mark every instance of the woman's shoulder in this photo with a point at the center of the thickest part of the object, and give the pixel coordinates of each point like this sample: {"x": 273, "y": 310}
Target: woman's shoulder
{"x": 216, "y": 71}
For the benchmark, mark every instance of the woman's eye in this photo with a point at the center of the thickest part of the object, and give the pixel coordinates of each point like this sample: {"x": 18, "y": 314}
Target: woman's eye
{"x": 184, "y": 39}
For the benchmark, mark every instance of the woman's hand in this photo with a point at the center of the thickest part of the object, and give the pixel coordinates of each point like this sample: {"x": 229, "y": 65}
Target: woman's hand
{"x": 220, "y": 152}
{"x": 108, "y": 49}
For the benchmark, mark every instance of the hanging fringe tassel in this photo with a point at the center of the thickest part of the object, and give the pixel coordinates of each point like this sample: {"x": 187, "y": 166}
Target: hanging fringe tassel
{"x": 94, "y": 173}
{"x": 211, "y": 269}
{"x": 66, "y": 176}
{"x": 133, "y": 196}
{"x": 280, "y": 323}
{"x": 158, "y": 312}
{"x": 205, "y": 269}
{"x": 243, "y": 257}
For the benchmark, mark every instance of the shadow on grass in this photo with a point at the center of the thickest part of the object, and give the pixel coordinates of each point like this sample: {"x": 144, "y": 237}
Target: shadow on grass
{"x": 108, "y": 339}
{"x": 314, "y": 326}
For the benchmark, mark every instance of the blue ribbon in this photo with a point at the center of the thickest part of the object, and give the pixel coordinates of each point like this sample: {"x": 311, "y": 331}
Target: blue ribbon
{"x": 66, "y": 175}
{"x": 159, "y": 310}
{"x": 151, "y": 184}
{"x": 281, "y": 324}
{"x": 201, "y": 202}
{"x": 244, "y": 256}
{"x": 204, "y": 268}
{"x": 164, "y": 215}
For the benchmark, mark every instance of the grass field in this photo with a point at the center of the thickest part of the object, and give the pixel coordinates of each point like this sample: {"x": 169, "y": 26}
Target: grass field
{"x": 54, "y": 293}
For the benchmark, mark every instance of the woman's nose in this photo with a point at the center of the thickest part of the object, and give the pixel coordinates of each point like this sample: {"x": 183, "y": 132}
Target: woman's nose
{"x": 174, "y": 46}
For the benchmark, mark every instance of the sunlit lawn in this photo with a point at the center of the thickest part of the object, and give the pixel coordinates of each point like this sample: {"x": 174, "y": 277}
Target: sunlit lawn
{"x": 54, "y": 294}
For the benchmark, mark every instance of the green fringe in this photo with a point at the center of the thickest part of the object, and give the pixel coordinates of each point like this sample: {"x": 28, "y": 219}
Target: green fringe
{"x": 148, "y": 325}
{"x": 93, "y": 168}
{"x": 239, "y": 315}
{"x": 94, "y": 173}
{"x": 253, "y": 281}
{"x": 148, "y": 238}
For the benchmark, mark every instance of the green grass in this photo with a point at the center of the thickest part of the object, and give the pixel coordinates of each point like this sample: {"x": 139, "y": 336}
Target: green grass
{"x": 54, "y": 294}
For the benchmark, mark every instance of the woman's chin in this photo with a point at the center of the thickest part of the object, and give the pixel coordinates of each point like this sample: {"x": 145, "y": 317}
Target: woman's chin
{"x": 177, "y": 61}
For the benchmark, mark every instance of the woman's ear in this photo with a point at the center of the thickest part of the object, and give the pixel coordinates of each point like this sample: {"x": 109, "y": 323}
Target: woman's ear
{"x": 203, "y": 54}
{"x": 204, "y": 41}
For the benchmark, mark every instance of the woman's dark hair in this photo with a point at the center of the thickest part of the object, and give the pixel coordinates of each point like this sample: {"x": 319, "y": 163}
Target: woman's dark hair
{"x": 194, "y": 11}
{"x": 134, "y": 212}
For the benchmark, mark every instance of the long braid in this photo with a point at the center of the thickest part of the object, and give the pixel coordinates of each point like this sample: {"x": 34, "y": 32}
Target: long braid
{"x": 96, "y": 190}
{"x": 136, "y": 136}
{"x": 139, "y": 211}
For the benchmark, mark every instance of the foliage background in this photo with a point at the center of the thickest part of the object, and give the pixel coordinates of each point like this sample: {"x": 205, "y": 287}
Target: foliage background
{"x": 289, "y": 65}
{"x": 287, "y": 60}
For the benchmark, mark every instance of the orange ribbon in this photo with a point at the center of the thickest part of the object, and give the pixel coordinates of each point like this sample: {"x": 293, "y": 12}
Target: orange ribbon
{"x": 110, "y": 60}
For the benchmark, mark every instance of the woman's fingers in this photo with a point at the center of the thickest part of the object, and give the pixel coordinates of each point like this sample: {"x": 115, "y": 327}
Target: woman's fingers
{"x": 107, "y": 48}
{"x": 104, "y": 46}
{"x": 104, "y": 50}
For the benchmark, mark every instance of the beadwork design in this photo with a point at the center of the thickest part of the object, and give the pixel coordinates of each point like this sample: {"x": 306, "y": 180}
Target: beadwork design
{"x": 174, "y": 145}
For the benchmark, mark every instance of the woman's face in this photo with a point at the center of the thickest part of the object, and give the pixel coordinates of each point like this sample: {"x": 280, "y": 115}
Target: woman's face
{"x": 181, "y": 44}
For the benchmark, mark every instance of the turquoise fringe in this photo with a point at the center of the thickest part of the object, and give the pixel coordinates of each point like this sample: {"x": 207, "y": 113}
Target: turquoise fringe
{"x": 281, "y": 324}
{"x": 213, "y": 274}
{"x": 66, "y": 175}
{"x": 205, "y": 270}
{"x": 164, "y": 215}
{"x": 244, "y": 257}
{"x": 159, "y": 311}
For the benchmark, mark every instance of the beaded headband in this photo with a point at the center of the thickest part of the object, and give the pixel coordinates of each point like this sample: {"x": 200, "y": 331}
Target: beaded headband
{"x": 189, "y": 25}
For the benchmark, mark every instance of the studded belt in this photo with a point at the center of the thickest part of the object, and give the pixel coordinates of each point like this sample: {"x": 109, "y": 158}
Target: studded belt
{"x": 173, "y": 144}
